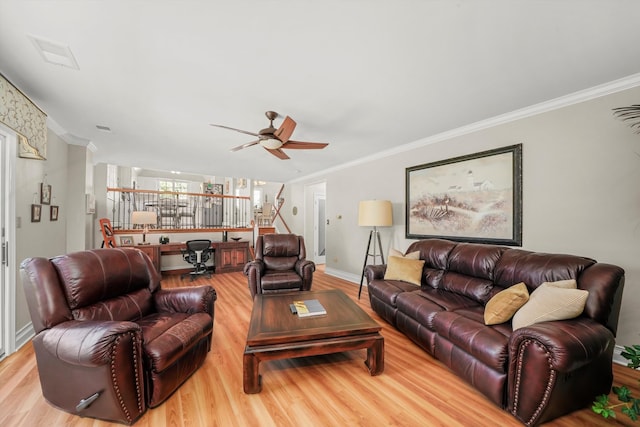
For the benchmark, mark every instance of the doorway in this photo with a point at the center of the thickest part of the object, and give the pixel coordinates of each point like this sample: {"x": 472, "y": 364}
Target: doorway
{"x": 319, "y": 228}
{"x": 8, "y": 149}
{"x": 4, "y": 312}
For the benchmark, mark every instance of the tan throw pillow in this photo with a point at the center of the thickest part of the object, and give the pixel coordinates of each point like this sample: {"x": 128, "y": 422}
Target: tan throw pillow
{"x": 410, "y": 255}
{"x": 503, "y": 305}
{"x": 551, "y": 301}
{"x": 405, "y": 269}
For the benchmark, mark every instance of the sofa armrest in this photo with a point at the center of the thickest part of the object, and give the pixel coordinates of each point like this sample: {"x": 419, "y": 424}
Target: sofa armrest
{"x": 554, "y": 365}
{"x": 87, "y": 343}
{"x": 375, "y": 272}
{"x": 196, "y": 299}
{"x": 569, "y": 343}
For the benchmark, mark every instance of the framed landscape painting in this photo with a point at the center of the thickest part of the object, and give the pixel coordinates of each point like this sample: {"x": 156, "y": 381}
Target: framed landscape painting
{"x": 473, "y": 198}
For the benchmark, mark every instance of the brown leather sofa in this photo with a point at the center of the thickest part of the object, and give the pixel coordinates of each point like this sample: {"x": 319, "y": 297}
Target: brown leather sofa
{"x": 538, "y": 372}
{"x": 280, "y": 265}
{"x": 109, "y": 341}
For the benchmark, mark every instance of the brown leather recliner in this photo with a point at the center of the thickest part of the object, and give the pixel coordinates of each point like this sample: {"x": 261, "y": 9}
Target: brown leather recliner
{"x": 109, "y": 341}
{"x": 280, "y": 265}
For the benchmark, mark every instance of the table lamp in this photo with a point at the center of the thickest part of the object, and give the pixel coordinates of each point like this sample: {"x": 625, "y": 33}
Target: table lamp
{"x": 374, "y": 213}
{"x": 145, "y": 219}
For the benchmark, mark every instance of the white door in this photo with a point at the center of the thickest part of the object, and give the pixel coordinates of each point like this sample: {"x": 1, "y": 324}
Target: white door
{"x": 319, "y": 228}
{"x": 4, "y": 251}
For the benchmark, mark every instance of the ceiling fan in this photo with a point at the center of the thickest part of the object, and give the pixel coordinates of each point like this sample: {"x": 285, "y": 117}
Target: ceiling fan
{"x": 274, "y": 140}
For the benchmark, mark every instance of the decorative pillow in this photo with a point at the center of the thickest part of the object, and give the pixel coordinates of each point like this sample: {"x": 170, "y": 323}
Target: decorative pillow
{"x": 410, "y": 255}
{"x": 551, "y": 301}
{"x": 503, "y": 305}
{"x": 405, "y": 269}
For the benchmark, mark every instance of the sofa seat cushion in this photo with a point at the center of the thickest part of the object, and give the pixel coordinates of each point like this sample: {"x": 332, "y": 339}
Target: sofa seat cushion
{"x": 388, "y": 290}
{"x": 422, "y": 305}
{"x": 168, "y": 336}
{"x": 484, "y": 343}
{"x": 448, "y": 301}
{"x": 280, "y": 279}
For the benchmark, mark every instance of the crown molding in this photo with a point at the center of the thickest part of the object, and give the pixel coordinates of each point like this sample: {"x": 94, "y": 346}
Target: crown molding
{"x": 599, "y": 91}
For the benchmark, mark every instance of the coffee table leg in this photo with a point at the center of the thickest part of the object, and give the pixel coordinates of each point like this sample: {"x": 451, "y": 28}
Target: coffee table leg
{"x": 251, "y": 374}
{"x": 375, "y": 357}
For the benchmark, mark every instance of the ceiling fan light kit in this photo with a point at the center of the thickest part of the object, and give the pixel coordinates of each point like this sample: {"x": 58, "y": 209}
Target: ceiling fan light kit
{"x": 271, "y": 143}
{"x": 274, "y": 140}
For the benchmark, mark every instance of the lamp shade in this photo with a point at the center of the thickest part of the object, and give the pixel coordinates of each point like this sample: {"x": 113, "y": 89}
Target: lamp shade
{"x": 375, "y": 213}
{"x": 144, "y": 218}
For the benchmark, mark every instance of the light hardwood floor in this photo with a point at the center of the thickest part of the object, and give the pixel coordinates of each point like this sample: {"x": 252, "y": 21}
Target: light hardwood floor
{"x": 332, "y": 390}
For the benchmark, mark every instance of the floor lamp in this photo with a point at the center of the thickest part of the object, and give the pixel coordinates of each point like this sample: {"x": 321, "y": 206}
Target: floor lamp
{"x": 374, "y": 213}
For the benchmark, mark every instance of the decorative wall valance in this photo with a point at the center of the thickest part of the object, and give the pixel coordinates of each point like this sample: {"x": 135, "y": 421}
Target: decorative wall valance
{"x": 23, "y": 116}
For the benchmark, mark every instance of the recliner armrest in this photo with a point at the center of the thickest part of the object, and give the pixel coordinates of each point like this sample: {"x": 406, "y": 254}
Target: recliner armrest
{"x": 87, "y": 343}
{"x": 197, "y": 299}
{"x": 255, "y": 266}
{"x": 304, "y": 266}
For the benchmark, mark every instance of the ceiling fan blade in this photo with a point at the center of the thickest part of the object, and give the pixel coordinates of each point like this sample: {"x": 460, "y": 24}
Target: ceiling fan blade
{"x": 237, "y": 130}
{"x": 300, "y": 145}
{"x": 248, "y": 144}
{"x": 278, "y": 153}
{"x": 285, "y": 130}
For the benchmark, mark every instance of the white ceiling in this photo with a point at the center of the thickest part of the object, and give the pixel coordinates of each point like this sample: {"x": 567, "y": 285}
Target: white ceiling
{"x": 363, "y": 75}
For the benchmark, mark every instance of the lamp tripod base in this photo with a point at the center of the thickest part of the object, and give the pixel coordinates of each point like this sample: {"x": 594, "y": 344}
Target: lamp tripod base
{"x": 375, "y": 236}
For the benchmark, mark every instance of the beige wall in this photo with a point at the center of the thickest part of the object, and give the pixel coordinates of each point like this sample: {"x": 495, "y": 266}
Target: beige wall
{"x": 581, "y": 170}
{"x": 45, "y": 238}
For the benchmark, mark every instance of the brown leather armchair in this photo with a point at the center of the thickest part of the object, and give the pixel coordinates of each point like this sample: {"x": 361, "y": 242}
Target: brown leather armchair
{"x": 280, "y": 265}
{"x": 109, "y": 341}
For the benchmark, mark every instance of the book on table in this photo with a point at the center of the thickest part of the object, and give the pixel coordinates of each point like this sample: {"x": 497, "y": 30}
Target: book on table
{"x": 308, "y": 308}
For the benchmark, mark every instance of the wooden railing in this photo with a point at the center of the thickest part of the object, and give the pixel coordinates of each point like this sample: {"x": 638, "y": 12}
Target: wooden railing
{"x": 180, "y": 211}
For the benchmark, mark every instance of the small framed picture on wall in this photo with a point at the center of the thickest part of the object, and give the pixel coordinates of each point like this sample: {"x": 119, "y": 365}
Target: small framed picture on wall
{"x": 45, "y": 194}
{"x": 54, "y": 213}
{"x": 36, "y": 213}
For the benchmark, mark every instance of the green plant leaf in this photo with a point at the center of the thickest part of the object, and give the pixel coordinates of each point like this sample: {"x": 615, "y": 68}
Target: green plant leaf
{"x": 632, "y": 354}
{"x": 623, "y": 393}
{"x": 630, "y": 413}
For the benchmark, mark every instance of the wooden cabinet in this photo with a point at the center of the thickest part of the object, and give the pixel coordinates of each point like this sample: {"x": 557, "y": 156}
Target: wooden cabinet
{"x": 231, "y": 256}
{"x": 154, "y": 253}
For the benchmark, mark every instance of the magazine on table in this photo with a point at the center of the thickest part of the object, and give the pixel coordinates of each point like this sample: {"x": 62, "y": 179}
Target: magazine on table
{"x": 308, "y": 308}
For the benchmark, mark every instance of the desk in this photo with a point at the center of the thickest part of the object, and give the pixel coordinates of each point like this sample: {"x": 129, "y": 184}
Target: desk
{"x": 227, "y": 256}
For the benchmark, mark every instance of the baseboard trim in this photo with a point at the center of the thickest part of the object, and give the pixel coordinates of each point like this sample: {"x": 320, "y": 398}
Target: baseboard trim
{"x": 24, "y": 335}
{"x": 349, "y": 277}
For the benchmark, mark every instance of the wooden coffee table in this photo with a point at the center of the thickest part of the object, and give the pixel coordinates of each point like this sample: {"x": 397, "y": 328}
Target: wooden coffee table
{"x": 276, "y": 333}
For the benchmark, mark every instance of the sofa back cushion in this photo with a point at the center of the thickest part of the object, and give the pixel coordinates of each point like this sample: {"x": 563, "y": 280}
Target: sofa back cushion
{"x": 464, "y": 268}
{"x": 535, "y": 268}
{"x": 107, "y": 284}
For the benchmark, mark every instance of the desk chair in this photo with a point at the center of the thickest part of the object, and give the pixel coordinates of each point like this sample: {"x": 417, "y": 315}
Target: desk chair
{"x": 197, "y": 253}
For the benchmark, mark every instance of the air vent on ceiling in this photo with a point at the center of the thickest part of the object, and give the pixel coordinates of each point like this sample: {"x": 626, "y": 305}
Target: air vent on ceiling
{"x": 55, "y": 53}
{"x": 103, "y": 128}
